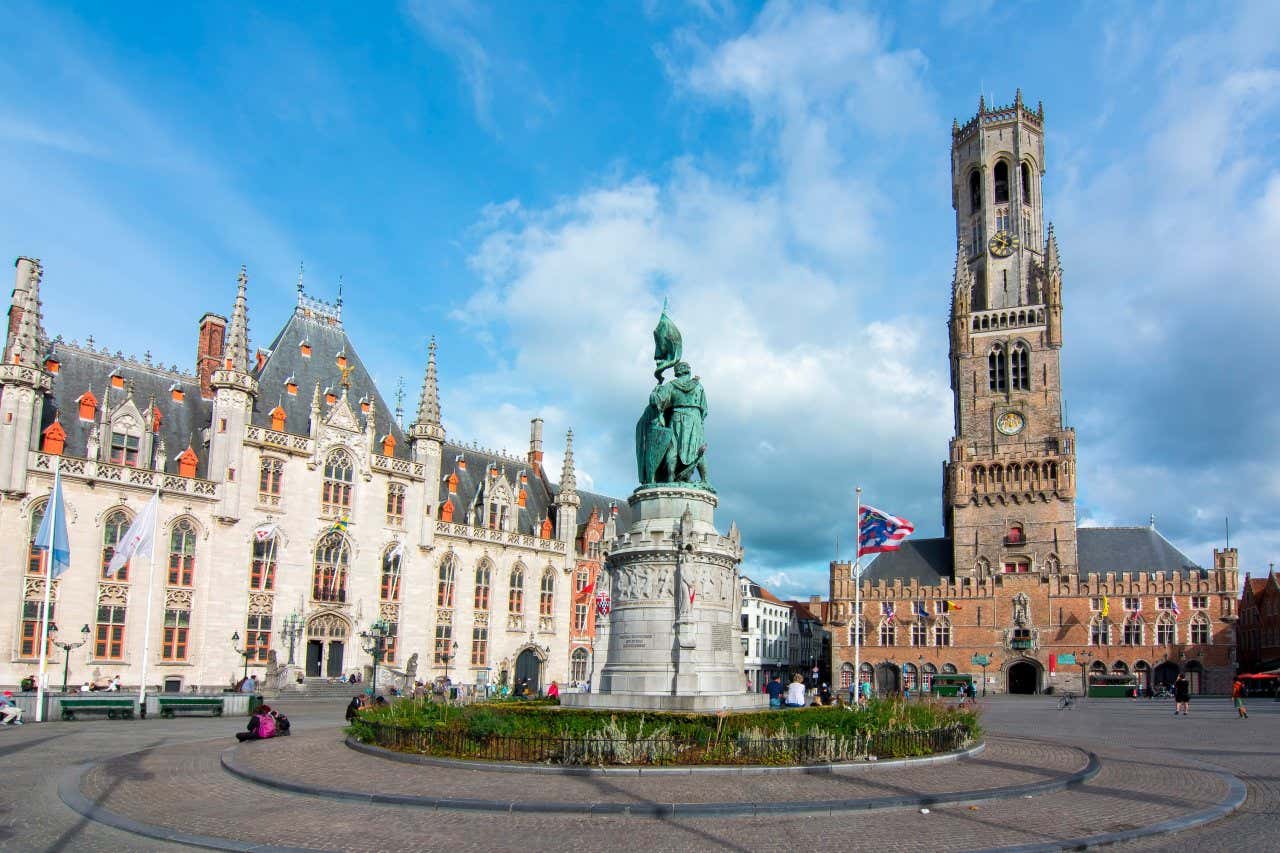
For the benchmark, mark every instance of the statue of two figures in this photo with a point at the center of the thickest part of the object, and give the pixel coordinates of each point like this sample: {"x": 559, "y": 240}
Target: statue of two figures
{"x": 671, "y": 445}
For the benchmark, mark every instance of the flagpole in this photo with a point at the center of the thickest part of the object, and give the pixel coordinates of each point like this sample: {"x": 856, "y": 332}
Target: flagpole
{"x": 857, "y": 596}
{"x": 51, "y": 507}
{"x": 146, "y": 630}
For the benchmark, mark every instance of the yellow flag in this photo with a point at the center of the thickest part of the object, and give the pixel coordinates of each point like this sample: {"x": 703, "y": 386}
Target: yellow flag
{"x": 1106, "y": 606}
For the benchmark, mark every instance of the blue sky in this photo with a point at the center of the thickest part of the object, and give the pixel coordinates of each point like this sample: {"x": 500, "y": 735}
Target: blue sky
{"x": 528, "y": 181}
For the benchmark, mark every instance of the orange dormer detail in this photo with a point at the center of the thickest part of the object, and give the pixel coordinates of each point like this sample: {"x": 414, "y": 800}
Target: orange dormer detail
{"x": 52, "y": 365}
{"x": 88, "y": 406}
{"x": 446, "y": 511}
{"x": 54, "y": 438}
{"x": 117, "y": 381}
{"x": 364, "y": 406}
{"x": 305, "y": 349}
{"x": 462, "y": 463}
{"x": 277, "y": 419}
{"x": 342, "y": 361}
{"x": 522, "y": 498}
{"x": 187, "y": 463}
{"x": 453, "y": 484}
{"x": 156, "y": 418}
{"x": 389, "y": 445}
{"x": 177, "y": 394}
{"x": 545, "y": 533}
{"x": 330, "y": 397}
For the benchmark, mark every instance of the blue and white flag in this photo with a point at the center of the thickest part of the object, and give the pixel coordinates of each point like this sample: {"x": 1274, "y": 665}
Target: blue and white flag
{"x": 52, "y": 535}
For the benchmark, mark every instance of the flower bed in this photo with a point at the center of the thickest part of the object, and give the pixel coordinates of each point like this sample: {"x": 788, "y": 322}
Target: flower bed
{"x": 575, "y": 736}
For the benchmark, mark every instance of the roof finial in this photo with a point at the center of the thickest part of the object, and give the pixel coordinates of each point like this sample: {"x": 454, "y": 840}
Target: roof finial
{"x": 300, "y": 271}
{"x": 982, "y": 103}
{"x": 1017, "y": 97}
{"x": 400, "y": 401}
{"x": 1153, "y": 521}
{"x": 339, "y": 291}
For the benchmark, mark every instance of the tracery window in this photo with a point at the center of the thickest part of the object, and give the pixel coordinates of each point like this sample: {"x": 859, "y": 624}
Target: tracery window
{"x": 857, "y": 633}
{"x": 35, "y": 557}
{"x": 515, "y": 592}
{"x": 395, "y": 504}
{"x": 484, "y": 575}
{"x": 888, "y": 636}
{"x": 479, "y": 645}
{"x": 578, "y": 665}
{"x": 1199, "y": 630}
{"x": 1019, "y": 367}
{"x": 445, "y": 580}
{"x": 444, "y": 640}
{"x": 547, "y": 594}
{"x": 113, "y": 530}
{"x": 580, "y": 611}
{"x": 332, "y": 560}
{"x": 389, "y": 589}
{"x": 270, "y": 480}
{"x": 182, "y": 553}
{"x": 177, "y": 624}
{"x": 997, "y": 378}
{"x": 109, "y": 637}
{"x": 1099, "y": 632}
{"x": 1026, "y": 183}
{"x": 975, "y": 191}
{"x": 942, "y": 633}
{"x": 919, "y": 633}
{"x": 1166, "y": 630}
{"x": 257, "y": 637}
{"x": 262, "y": 570}
{"x": 335, "y": 500}
{"x": 1001, "y": 175}
{"x": 1133, "y": 631}
{"x": 124, "y": 449}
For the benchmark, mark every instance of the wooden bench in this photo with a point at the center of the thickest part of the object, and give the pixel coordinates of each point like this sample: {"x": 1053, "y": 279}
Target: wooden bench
{"x": 169, "y": 704}
{"x": 114, "y": 708}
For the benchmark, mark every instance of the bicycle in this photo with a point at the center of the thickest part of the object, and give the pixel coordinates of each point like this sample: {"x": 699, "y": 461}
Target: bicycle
{"x": 1067, "y": 701}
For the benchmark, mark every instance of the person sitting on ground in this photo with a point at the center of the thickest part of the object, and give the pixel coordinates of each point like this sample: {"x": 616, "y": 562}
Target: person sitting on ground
{"x": 262, "y": 725}
{"x": 824, "y": 694}
{"x": 380, "y": 701}
{"x": 10, "y": 712}
{"x": 282, "y": 722}
{"x": 553, "y": 692}
{"x": 796, "y": 692}
{"x": 775, "y": 690}
{"x": 353, "y": 708}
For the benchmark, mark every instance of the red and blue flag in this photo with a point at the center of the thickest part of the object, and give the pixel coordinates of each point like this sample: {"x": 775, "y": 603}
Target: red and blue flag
{"x": 878, "y": 531}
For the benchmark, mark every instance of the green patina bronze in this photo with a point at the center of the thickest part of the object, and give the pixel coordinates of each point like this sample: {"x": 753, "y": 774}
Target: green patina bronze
{"x": 671, "y": 445}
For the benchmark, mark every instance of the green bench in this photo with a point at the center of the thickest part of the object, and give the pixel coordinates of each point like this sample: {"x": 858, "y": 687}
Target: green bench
{"x": 114, "y": 708}
{"x": 169, "y": 704}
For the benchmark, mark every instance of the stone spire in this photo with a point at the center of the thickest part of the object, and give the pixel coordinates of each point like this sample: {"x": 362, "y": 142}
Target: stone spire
{"x": 26, "y": 332}
{"x": 427, "y": 425}
{"x": 1052, "y": 265}
{"x": 1053, "y": 290}
{"x": 237, "y": 352}
{"x": 961, "y": 280}
{"x": 568, "y": 479}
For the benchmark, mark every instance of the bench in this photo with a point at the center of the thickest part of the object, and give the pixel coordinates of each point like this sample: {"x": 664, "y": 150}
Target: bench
{"x": 114, "y": 708}
{"x": 169, "y": 704}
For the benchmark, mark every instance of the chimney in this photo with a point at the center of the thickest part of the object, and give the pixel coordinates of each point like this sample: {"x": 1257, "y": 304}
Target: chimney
{"x": 815, "y": 604}
{"x": 213, "y": 333}
{"x": 535, "y": 444}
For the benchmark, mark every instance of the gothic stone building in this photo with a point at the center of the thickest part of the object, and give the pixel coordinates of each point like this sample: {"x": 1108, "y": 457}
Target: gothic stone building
{"x": 1026, "y": 585}
{"x": 475, "y": 560}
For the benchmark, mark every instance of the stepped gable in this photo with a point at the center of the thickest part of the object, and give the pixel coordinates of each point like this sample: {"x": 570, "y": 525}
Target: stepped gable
{"x": 285, "y": 362}
{"x": 1130, "y": 551}
{"x": 925, "y": 560}
{"x": 182, "y": 424}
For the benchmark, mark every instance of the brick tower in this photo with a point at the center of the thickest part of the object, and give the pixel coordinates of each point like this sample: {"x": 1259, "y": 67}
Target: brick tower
{"x": 1009, "y": 484}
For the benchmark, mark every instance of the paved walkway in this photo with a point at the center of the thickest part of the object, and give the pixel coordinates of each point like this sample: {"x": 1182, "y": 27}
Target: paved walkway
{"x": 1153, "y": 768}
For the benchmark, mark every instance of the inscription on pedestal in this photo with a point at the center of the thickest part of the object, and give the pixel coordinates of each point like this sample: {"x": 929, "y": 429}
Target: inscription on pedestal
{"x": 721, "y": 639}
{"x": 637, "y": 641}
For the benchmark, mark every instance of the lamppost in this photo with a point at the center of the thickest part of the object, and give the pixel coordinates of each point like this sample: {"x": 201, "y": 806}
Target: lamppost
{"x": 66, "y": 649}
{"x": 375, "y": 643}
{"x": 244, "y": 653}
{"x": 292, "y": 631}
{"x": 1082, "y": 658}
{"x": 449, "y": 655}
{"x": 986, "y": 659}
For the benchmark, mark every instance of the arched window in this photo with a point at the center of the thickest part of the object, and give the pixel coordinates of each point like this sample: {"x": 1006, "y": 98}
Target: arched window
{"x": 927, "y": 672}
{"x": 338, "y": 476}
{"x": 1020, "y": 368}
{"x": 948, "y": 669}
{"x": 35, "y": 557}
{"x": 484, "y": 576}
{"x": 1026, "y": 182}
{"x": 1099, "y": 632}
{"x": 1133, "y": 631}
{"x": 1119, "y": 668}
{"x": 888, "y": 637}
{"x": 1001, "y": 175}
{"x": 113, "y": 530}
{"x": 182, "y": 553}
{"x": 996, "y": 376}
{"x": 1166, "y": 630}
{"x": 1199, "y": 630}
{"x": 975, "y": 191}
{"x": 846, "y": 676}
{"x": 390, "y": 587}
{"x": 262, "y": 571}
{"x": 1052, "y": 563}
{"x": 270, "y": 480}
{"x": 942, "y": 633}
{"x": 910, "y": 677}
{"x": 578, "y": 665}
{"x": 1098, "y": 667}
{"x": 444, "y": 584}
{"x": 329, "y": 576}
{"x": 515, "y": 594}
{"x": 547, "y": 594}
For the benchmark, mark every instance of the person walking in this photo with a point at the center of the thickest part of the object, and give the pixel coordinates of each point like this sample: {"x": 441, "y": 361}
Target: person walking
{"x": 1181, "y": 695}
{"x": 866, "y": 692}
{"x": 1237, "y": 697}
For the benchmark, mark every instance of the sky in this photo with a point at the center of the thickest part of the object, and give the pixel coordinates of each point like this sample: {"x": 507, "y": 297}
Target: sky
{"x": 529, "y": 182}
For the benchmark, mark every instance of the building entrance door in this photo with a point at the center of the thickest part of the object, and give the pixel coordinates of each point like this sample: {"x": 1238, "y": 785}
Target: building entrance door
{"x": 1024, "y": 678}
{"x": 315, "y": 651}
{"x": 1165, "y": 674}
{"x": 335, "y": 659}
{"x": 887, "y": 681}
{"x": 529, "y": 672}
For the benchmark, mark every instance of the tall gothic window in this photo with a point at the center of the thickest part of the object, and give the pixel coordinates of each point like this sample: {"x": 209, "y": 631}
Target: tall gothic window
{"x": 444, "y": 640}
{"x": 919, "y": 633}
{"x": 444, "y": 584}
{"x": 888, "y": 636}
{"x": 479, "y": 645}
{"x": 182, "y": 553}
{"x": 515, "y": 593}
{"x": 270, "y": 480}
{"x": 1020, "y": 367}
{"x": 1133, "y": 631}
{"x": 975, "y": 191}
{"x": 996, "y": 376}
{"x": 1026, "y": 183}
{"x": 108, "y": 641}
{"x": 1199, "y": 630}
{"x": 329, "y": 577}
{"x": 262, "y": 571}
{"x": 484, "y": 577}
{"x": 395, "y": 504}
{"x": 942, "y": 633}
{"x": 335, "y": 500}
{"x": 547, "y": 594}
{"x": 1099, "y": 632}
{"x": 857, "y": 632}
{"x": 113, "y": 530}
{"x": 1001, "y": 175}
{"x": 390, "y": 587}
{"x": 177, "y": 624}
{"x": 1166, "y": 630}
{"x": 578, "y": 665}
{"x": 580, "y": 611}
{"x": 35, "y": 557}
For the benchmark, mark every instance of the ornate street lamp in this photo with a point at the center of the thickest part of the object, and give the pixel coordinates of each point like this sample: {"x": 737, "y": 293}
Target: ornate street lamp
{"x": 244, "y": 653}
{"x": 66, "y": 649}
{"x": 1083, "y": 658}
{"x": 292, "y": 631}
{"x": 375, "y": 643}
{"x": 448, "y": 655}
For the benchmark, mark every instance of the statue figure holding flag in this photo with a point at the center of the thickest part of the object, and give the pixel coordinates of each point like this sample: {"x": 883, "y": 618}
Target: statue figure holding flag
{"x": 671, "y": 444}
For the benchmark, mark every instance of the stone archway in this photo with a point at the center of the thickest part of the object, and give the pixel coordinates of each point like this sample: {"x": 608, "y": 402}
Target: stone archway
{"x": 528, "y": 674}
{"x": 327, "y": 635}
{"x": 888, "y": 679}
{"x": 1164, "y": 675}
{"x": 1022, "y": 677}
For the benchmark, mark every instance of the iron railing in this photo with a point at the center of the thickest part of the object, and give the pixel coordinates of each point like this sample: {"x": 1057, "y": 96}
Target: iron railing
{"x": 665, "y": 750}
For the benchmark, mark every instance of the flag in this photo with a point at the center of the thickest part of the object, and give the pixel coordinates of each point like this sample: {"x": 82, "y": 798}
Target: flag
{"x": 951, "y": 605}
{"x": 1106, "y": 606}
{"x": 1176, "y": 610}
{"x": 878, "y": 531}
{"x": 397, "y": 553}
{"x": 888, "y": 614}
{"x": 588, "y": 589}
{"x": 266, "y": 532}
{"x": 52, "y": 535}
{"x": 138, "y": 540}
{"x": 604, "y": 603}
{"x": 340, "y": 526}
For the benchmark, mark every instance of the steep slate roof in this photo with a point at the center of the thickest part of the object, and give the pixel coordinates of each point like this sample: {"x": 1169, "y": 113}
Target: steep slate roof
{"x": 83, "y": 369}
{"x": 327, "y": 339}
{"x": 1123, "y": 550}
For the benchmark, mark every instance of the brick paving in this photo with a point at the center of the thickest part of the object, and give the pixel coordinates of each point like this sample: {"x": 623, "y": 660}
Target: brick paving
{"x": 1153, "y": 768}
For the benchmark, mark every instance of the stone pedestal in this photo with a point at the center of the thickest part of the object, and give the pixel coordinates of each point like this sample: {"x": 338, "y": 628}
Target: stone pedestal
{"x": 673, "y": 640}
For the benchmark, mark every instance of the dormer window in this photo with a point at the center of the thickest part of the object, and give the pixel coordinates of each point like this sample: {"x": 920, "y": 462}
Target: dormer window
{"x": 291, "y": 387}
{"x": 389, "y": 445}
{"x": 117, "y": 381}
{"x": 330, "y": 397}
{"x": 446, "y": 511}
{"x": 304, "y": 349}
{"x": 88, "y": 406}
{"x": 176, "y": 393}
{"x": 522, "y": 498}
{"x": 124, "y": 449}
{"x": 462, "y": 462}
{"x": 52, "y": 365}
{"x": 453, "y": 484}
{"x": 277, "y": 419}
{"x": 53, "y": 439}
{"x": 187, "y": 463}
{"x": 342, "y": 359}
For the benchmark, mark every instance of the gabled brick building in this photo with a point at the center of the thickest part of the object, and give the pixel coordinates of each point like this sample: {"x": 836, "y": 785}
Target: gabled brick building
{"x": 1260, "y": 623}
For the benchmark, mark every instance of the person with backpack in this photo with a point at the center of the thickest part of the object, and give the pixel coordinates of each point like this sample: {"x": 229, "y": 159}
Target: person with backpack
{"x": 262, "y": 725}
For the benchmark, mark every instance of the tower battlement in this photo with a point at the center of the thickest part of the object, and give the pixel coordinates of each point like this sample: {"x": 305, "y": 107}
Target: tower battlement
{"x": 989, "y": 116}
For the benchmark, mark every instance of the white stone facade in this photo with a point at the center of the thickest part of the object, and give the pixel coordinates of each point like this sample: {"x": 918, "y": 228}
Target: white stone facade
{"x": 766, "y": 625}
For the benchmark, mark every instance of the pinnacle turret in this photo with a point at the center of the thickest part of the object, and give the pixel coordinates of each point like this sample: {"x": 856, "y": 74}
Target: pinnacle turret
{"x": 237, "y": 352}
{"x": 568, "y": 477}
{"x": 26, "y": 341}
{"x": 1052, "y": 265}
{"x": 429, "y": 399}
{"x": 960, "y": 282}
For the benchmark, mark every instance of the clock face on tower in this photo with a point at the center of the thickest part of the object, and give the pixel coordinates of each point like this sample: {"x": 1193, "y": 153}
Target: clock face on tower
{"x": 1010, "y": 423}
{"x": 1002, "y": 244}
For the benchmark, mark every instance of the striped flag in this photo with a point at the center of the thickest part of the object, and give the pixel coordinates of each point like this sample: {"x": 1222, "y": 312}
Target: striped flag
{"x": 1176, "y": 610}
{"x": 878, "y": 531}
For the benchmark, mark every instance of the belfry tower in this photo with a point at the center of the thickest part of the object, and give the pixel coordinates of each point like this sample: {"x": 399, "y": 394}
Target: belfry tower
{"x": 1009, "y": 484}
